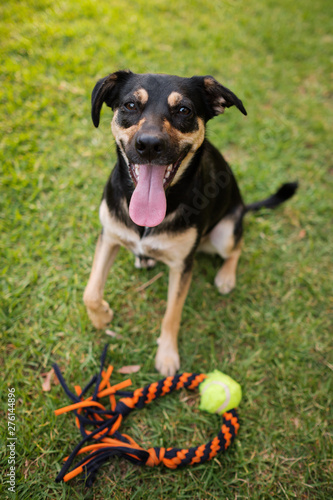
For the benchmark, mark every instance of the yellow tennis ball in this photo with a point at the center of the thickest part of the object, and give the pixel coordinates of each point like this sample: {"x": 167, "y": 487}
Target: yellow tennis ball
{"x": 219, "y": 393}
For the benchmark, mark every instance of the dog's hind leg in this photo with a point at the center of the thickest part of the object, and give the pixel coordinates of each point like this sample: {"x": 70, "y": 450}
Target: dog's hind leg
{"x": 98, "y": 309}
{"x": 225, "y": 238}
{"x": 167, "y": 357}
{"x": 225, "y": 280}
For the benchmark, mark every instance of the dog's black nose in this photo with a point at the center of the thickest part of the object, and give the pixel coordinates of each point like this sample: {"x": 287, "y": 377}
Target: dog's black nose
{"x": 150, "y": 146}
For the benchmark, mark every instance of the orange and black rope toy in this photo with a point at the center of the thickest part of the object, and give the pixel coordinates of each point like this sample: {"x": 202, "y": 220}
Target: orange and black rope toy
{"x": 109, "y": 442}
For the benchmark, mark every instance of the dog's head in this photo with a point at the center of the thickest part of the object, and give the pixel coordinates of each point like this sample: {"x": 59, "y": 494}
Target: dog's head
{"x": 158, "y": 124}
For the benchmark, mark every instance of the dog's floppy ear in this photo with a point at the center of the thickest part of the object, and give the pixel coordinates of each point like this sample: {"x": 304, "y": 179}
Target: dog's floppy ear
{"x": 106, "y": 90}
{"x": 219, "y": 97}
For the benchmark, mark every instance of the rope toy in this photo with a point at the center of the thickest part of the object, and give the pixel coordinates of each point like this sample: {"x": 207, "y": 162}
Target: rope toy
{"x": 109, "y": 442}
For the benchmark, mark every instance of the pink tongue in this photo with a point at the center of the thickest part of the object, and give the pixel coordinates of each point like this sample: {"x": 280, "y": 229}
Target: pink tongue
{"x": 148, "y": 202}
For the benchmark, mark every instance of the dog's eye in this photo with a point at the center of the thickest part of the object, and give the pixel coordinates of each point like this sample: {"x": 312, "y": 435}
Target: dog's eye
{"x": 184, "y": 111}
{"x": 130, "y": 106}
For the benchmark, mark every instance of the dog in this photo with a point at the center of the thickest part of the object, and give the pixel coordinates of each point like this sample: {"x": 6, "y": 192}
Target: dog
{"x": 171, "y": 192}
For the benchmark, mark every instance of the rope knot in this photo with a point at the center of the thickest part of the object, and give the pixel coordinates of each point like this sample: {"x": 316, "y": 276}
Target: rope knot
{"x": 156, "y": 456}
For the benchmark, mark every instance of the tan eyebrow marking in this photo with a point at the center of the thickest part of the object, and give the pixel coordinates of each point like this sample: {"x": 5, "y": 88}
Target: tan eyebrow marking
{"x": 174, "y": 98}
{"x": 141, "y": 95}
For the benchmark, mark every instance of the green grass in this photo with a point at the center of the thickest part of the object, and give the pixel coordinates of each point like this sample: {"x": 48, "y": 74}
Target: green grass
{"x": 271, "y": 334}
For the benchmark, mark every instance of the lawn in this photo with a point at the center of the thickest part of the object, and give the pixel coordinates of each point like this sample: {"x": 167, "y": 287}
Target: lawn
{"x": 272, "y": 334}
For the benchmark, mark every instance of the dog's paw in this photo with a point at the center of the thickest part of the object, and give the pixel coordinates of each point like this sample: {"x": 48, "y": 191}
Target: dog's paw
{"x": 141, "y": 263}
{"x": 225, "y": 281}
{"x": 101, "y": 316}
{"x": 167, "y": 360}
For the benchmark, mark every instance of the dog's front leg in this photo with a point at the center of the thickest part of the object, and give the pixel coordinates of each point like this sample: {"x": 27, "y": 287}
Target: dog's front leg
{"x": 167, "y": 357}
{"x": 98, "y": 309}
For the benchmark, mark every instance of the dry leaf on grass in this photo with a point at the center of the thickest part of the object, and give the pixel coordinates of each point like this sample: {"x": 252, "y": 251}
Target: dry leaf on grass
{"x": 46, "y": 386}
{"x": 129, "y": 369}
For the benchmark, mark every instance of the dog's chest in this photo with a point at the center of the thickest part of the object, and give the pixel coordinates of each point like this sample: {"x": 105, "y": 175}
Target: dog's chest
{"x": 170, "y": 248}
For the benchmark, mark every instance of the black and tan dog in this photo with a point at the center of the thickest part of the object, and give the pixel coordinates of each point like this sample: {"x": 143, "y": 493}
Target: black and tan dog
{"x": 171, "y": 192}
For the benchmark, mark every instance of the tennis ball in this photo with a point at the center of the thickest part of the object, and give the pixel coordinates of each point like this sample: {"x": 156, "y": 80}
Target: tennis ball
{"x": 219, "y": 393}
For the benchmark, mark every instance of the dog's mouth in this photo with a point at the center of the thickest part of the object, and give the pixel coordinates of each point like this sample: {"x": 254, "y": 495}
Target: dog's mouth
{"x": 169, "y": 171}
{"x": 148, "y": 202}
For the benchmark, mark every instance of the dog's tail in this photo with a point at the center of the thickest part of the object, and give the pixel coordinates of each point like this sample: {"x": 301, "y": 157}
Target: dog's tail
{"x": 285, "y": 192}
